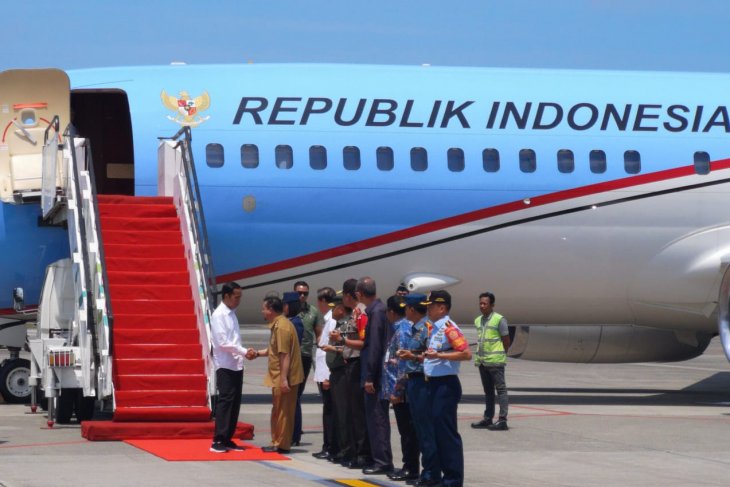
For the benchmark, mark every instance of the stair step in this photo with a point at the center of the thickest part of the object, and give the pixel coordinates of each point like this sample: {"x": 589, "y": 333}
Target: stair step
{"x": 132, "y": 366}
{"x": 182, "y": 421}
{"x": 160, "y": 382}
{"x": 137, "y": 264}
{"x": 138, "y": 200}
{"x": 140, "y": 238}
{"x": 150, "y": 306}
{"x": 161, "y": 398}
{"x": 151, "y": 278}
{"x": 171, "y": 321}
{"x": 141, "y": 336}
{"x": 149, "y": 250}
{"x": 136, "y": 210}
{"x": 135, "y": 291}
{"x": 157, "y": 351}
{"x": 137, "y": 224}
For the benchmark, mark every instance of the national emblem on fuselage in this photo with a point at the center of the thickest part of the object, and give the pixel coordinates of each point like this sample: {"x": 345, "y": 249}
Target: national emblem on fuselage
{"x": 187, "y": 109}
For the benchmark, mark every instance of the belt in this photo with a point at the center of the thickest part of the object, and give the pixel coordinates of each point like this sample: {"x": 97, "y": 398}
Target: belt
{"x": 411, "y": 375}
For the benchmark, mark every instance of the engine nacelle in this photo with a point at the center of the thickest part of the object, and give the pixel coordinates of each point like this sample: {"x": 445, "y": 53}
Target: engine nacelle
{"x": 606, "y": 344}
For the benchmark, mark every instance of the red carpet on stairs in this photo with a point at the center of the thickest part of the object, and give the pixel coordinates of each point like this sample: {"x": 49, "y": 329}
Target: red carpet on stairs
{"x": 159, "y": 373}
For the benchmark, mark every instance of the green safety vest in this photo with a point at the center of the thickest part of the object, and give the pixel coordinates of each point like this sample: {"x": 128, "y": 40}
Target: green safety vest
{"x": 490, "y": 350}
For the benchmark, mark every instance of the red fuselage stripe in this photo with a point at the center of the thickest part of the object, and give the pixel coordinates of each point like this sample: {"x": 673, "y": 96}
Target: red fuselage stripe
{"x": 437, "y": 225}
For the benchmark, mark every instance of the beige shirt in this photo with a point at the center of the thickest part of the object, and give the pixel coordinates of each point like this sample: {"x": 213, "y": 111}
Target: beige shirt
{"x": 283, "y": 340}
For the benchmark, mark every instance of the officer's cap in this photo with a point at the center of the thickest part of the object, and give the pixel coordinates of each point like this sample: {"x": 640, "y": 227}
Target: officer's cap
{"x": 336, "y": 300}
{"x": 290, "y": 297}
{"x": 415, "y": 299}
{"x": 439, "y": 297}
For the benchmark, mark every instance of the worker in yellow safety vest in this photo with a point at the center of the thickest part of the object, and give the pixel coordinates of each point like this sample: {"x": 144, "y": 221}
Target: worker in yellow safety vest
{"x": 492, "y": 344}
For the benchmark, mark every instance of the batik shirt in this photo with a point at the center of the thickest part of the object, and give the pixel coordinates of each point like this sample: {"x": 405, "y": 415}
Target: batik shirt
{"x": 392, "y": 380}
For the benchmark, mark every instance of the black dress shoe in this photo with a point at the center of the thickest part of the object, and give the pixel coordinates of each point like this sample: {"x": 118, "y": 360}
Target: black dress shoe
{"x": 321, "y": 455}
{"x": 427, "y": 483}
{"x": 377, "y": 470}
{"x": 355, "y": 465}
{"x": 274, "y": 449}
{"x": 483, "y": 424}
{"x": 403, "y": 474}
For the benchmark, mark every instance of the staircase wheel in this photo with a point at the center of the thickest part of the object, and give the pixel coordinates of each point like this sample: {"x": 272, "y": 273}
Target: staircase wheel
{"x": 65, "y": 405}
{"x": 14, "y": 381}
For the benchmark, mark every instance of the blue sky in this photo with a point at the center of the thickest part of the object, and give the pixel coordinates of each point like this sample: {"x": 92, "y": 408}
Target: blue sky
{"x": 585, "y": 34}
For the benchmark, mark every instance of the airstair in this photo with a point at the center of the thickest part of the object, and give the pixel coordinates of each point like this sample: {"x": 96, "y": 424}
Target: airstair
{"x": 124, "y": 322}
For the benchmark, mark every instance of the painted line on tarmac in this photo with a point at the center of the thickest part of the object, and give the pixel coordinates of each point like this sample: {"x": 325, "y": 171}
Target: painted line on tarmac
{"x": 682, "y": 367}
{"x": 322, "y": 480}
{"x": 36, "y": 445}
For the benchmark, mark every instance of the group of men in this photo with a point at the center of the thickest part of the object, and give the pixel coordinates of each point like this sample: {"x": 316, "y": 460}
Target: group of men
{"x": 369, "y": 355}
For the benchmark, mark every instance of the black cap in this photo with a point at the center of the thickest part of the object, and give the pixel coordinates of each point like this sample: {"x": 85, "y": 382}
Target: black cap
{"x": 440, "y": 297}
{"x": 337, "y": 299}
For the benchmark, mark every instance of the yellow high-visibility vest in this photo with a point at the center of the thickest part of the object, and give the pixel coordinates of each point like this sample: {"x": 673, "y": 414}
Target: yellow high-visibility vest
{"x": 490, "y": 350}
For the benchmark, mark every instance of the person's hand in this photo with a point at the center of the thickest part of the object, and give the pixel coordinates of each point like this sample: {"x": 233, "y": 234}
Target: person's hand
{"x": 326, "y": 385}
{"x": 369, "y": 388}
{"x": 328, "y": 348}
{"x": 395, "y": 399}
{"x": 251, "y": 354}
{"x": 430, "y": 353}
{"x": 405, "y": 355}
{"x": 335, "y": 336}
{"x": 285, "y": 385}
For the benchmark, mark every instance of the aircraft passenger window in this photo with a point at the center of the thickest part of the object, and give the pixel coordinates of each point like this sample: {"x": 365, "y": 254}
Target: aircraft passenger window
{"x": 702, "y": 162}
{"x": 490, "y": 160}
{"x": 566, "y": 161}
{"x": 455, "y": 159}
{"x": 284, "y": 156}
{"x": 249, "y": 156}
{"x": 317, "y": 157}
{"x": 597, "y": 161}
{"x": 528, "y": 161}
{"x": 632, "y": 162}
{"x": 419, "y": 159}
{"x": 214, "y": 155}
{"x": 351, "y": 158}
{"x": 384, "y": 156}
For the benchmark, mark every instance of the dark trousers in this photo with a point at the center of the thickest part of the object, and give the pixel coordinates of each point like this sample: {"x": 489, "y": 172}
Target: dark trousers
{"x": 493, "y": 379}
{"x": 329, "y": 420}
{"x": 377, "y": 419}
{"x": 307, "y": 366}
{"x": 228, "y": 405}
{"x": 355, "y": 413}
{"x": 338, "y": 393}
{"x": 445, "y": 396}
{"x": 408, "y": 439}
{"x": 418, "y": 394}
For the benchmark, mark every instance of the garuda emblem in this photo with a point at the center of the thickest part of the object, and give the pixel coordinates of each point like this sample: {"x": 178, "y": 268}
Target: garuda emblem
{"x": 187, "y": 109}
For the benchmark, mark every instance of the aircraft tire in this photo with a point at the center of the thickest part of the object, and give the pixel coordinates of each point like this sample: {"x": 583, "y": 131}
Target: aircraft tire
{"x": 14, "y": 381}
{"x": 65, "y": 405}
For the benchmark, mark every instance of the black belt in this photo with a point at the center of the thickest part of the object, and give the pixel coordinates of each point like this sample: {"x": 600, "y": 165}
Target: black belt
{"x": 411, "y": 375}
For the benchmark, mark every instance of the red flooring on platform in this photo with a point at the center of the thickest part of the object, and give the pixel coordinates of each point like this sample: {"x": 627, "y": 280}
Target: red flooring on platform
{"x": 197, "y": 451}
{"x": 119, "y": 431}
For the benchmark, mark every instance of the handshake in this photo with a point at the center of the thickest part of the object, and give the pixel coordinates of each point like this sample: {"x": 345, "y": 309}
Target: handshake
{"x": 252, "y": 354}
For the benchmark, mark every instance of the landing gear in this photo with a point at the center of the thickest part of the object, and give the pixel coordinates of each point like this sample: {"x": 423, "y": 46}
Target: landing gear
{"x": 14, "y": 381}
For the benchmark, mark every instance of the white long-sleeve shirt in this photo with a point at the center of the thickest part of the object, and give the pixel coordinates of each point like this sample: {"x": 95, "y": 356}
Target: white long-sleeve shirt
{"x": 226, "y": 339}
{"x": 321, "y": 371}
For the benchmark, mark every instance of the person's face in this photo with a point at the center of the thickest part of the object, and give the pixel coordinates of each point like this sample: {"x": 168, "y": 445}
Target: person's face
{"x": 401, "y": 293}
{"x": 267, "y": 313}
{"x": 436, "y": 311}
{"x": 303, "y": 293}
{"x": 233, "y": 300}
{"x": 392, "y": 317}
{"x": 411, "y": 314}
{"x": 485, "y": 306}
{"x": 338, "y": 312}
{"x": 349, "y": 301}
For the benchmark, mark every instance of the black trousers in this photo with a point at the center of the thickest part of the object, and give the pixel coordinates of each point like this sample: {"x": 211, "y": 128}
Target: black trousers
{"x": 230, "y": 386}
{"x": 329, "y": 420}
{"x": 378, "y": 422}
{"x": 338, "y": 393}
{"x": 408, "y": 438}
{"x": 307, "y": 366}
{"x": 355, "y": 413}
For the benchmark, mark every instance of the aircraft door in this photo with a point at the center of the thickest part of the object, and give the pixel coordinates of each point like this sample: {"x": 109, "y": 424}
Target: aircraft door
{"x": 29, "y": 99}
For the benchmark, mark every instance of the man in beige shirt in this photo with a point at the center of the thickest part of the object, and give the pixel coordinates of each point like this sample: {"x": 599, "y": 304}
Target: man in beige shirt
{"x": 285, "y": 372}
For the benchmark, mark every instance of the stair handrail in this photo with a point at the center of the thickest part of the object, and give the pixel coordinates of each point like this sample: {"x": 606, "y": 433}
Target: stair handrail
{"x": 184, "y": 138}
{"x": 102, "y": 305}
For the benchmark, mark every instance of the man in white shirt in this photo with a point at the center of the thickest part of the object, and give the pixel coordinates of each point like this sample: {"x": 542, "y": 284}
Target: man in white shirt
{"x": 228, "y": 357}
{"x": 325, "y": 296}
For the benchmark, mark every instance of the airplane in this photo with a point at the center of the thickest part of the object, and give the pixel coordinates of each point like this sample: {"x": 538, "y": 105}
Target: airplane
{"x": 591, "y": 203}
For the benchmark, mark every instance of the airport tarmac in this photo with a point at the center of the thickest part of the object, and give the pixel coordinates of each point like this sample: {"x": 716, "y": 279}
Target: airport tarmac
{"x": 570, "y": 425}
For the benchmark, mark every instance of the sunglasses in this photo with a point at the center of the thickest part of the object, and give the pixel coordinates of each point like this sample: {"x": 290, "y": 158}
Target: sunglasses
{"x": 303, "y": 293}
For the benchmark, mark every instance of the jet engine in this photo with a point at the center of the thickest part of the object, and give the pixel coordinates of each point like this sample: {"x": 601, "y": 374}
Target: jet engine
{"x": 606, "y": 344}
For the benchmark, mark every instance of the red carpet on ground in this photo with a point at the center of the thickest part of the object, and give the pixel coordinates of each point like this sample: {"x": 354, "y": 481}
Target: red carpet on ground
{"x": 197, "y": 451}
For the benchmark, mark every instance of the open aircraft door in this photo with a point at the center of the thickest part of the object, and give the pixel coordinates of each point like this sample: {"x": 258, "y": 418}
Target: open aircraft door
{"x": 29, "y": 99}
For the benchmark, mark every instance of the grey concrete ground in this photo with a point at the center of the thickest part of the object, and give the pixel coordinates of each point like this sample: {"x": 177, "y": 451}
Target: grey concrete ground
{"x": 571, "y": 425}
